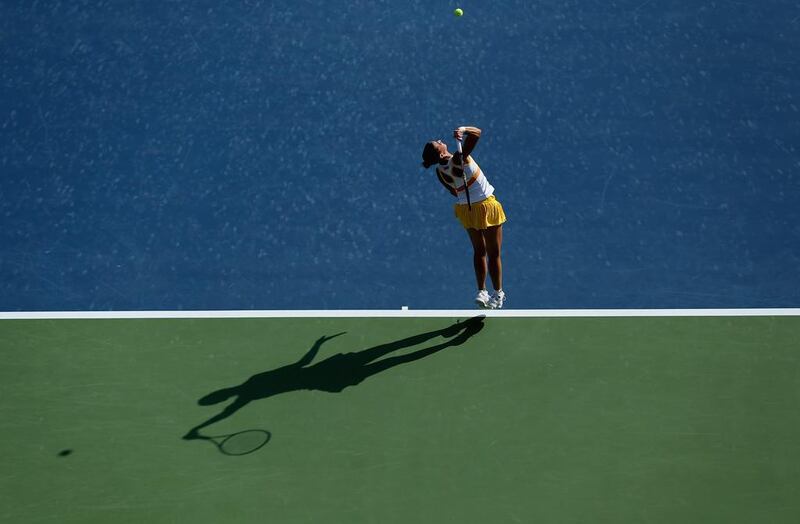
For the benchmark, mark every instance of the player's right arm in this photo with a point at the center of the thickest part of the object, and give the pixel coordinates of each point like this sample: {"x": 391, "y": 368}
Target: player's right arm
{"x": 471, "y": 140}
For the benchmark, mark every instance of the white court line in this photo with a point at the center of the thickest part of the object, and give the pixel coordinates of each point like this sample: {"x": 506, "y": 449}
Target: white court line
{"x": 404, "y": 313}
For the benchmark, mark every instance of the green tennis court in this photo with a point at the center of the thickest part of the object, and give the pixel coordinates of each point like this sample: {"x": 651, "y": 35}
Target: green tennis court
{"x": 675, "y": 419}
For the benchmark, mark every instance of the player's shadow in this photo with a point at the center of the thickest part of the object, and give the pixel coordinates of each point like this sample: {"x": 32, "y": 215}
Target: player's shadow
{"x": 333, "y": 374}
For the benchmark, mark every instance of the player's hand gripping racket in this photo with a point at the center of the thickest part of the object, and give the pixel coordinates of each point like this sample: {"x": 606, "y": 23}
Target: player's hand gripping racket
{"x": 463, "y": 173}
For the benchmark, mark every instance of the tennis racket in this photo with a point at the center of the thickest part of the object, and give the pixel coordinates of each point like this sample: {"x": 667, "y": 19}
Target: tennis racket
{"x": 463, "y": 173}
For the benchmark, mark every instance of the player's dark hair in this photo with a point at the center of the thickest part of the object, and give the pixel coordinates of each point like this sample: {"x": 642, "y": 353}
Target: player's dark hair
{"x": 430, "y": 155}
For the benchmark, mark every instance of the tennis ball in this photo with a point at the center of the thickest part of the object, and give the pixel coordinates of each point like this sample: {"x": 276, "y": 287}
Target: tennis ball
{"x": 458, "y": 12}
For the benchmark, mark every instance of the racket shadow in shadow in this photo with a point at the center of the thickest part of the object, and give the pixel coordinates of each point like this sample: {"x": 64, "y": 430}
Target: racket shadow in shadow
{"x": 332, "y": 375}
{"x": 239, "y": 443}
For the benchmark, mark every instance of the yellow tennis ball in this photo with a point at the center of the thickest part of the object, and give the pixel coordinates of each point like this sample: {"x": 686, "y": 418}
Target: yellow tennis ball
{"x": 458, "y": 12}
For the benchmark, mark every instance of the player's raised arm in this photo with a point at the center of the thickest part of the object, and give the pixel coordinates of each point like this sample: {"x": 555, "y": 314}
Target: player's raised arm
{"x": 471, "y": 140}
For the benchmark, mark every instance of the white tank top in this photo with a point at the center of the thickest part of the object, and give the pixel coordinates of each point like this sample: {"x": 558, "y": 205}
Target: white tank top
{"x": 479, "y": 187}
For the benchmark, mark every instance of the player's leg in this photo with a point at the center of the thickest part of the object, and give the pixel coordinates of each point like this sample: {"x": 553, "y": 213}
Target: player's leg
{"x": 493, "y": 239}
{"x": 479, "y": 264}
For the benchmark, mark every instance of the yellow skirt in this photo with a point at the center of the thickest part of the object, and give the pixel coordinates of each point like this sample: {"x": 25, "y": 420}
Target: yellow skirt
{"x": 484, "y": 214}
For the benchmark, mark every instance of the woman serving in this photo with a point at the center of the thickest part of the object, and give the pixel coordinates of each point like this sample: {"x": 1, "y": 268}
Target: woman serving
{"x": 476, "y": 208}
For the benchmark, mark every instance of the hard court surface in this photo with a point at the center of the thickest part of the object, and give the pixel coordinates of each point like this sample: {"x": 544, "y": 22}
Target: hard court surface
{"x": 525, "y": 420}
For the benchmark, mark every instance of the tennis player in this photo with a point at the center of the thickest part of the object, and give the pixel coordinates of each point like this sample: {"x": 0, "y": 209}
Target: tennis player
{"x": 476, "y": 208}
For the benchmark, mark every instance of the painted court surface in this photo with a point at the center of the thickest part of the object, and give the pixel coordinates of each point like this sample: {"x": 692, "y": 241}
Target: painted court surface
{"x": 650, "y": 419}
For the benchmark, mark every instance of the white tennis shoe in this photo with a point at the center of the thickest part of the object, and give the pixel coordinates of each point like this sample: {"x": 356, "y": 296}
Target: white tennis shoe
{"x": 497, "y": 300}
{"x": 482, "y": 299}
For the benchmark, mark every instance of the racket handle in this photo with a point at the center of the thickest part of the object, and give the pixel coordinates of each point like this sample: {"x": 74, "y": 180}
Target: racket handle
{"x": 463, "y": 174}
{"x": 460, "y": 152}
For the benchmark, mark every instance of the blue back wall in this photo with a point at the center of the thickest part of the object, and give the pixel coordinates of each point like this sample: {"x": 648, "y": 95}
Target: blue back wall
{"x": 265, "y": 154}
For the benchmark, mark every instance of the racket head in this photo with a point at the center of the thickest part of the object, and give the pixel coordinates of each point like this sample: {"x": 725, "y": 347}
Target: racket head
{"x": 243, "y": 442}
